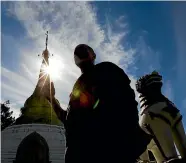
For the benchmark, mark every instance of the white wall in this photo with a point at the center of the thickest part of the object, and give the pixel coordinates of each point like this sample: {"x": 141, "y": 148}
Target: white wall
{"x": 12, "y": 136}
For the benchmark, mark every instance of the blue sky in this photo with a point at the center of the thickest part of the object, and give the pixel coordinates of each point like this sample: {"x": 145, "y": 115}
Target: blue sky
{"x": 137, "y": 36}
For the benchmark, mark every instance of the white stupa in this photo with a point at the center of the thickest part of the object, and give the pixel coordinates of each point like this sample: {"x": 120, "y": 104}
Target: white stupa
{"x": 37, "y": 135}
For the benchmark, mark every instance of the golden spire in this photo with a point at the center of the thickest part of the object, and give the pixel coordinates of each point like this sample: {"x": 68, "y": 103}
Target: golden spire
{"x": 38, "y": 108}
{"x": 45, "y": 54}
{"x": 43, "y": 85}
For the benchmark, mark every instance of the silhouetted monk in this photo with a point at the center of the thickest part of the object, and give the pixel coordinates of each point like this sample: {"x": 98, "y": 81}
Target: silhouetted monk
{"x": 101, "y": 121}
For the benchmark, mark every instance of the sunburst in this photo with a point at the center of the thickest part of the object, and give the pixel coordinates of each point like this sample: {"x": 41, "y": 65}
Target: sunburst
{"x": 54, "y": 69}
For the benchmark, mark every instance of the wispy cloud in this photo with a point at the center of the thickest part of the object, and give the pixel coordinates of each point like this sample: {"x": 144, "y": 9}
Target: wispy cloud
{"x": 146, "y": 57}
{"x": 69, "y": 24}
{"x": 168, "y": 91}
{"x": 15, "y": 87}
{"x": 121, "y": 22}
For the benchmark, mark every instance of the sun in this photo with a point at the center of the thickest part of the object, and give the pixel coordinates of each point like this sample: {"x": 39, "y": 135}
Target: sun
{"x": 54, "y": 69}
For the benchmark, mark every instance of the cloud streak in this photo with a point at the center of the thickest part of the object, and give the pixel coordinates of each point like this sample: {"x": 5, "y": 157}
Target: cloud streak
{"x": 69, "y": 24}
{"x": 168, "y": 91}
{"x": 146, "y": 57}
{"x": 121, "y": 22}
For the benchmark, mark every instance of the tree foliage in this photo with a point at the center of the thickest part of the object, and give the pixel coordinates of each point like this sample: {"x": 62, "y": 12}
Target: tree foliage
{"x": 6, "y": 115}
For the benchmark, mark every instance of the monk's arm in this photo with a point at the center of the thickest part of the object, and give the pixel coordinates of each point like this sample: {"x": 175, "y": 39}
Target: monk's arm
{"x": 60, "y": 112}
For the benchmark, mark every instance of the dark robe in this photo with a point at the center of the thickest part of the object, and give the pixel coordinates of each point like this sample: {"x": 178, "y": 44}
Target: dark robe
{"x": 102, "y": 118}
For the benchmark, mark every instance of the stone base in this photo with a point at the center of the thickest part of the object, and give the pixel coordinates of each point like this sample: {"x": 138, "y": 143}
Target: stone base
{"x": 12, "y": 136}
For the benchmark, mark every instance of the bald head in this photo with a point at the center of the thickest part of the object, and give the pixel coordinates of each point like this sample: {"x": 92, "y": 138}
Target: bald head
{"x": 84, "y": 56}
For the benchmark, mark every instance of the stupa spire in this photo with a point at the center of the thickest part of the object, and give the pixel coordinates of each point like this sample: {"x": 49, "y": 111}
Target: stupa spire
{"x": 38, "y": 107}
{"x": 43, "y": 85}
{"x": 46, "y": 39}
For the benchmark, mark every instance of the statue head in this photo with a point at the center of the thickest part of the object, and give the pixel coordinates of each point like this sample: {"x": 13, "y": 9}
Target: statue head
{"x": 149, "y": 83}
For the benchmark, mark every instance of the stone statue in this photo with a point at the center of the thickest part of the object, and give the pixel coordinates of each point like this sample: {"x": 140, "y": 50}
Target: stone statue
{"x": 160, "y": 118}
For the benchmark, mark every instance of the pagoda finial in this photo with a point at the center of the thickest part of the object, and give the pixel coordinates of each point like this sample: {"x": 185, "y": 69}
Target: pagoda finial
{"x": 46, "y": 39}
{"x": 45, "y": 52}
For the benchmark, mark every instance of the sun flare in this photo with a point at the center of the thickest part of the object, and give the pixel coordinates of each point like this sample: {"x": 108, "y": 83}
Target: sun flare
{"x": 54, "y": 69}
